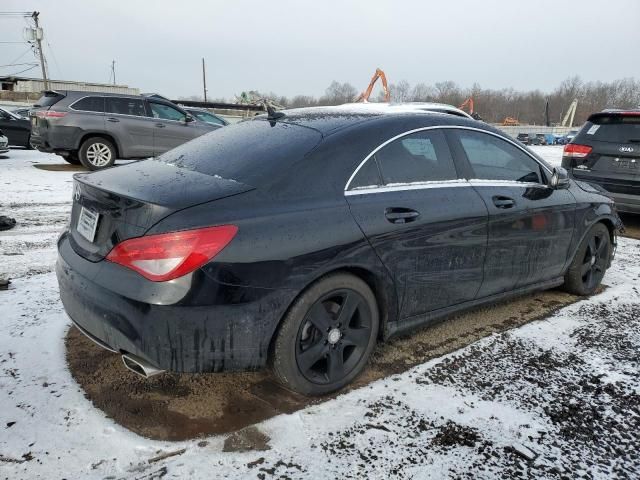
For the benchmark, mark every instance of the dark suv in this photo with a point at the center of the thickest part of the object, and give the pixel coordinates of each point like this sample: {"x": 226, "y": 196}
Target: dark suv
{"x": 96, "y": 128}
{"x": 606, "y": 152}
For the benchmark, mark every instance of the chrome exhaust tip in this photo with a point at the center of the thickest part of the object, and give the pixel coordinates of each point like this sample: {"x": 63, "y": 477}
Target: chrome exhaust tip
{"x": 139, "y": 366}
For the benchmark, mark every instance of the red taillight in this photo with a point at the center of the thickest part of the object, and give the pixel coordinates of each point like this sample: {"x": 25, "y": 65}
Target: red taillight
{"x": 167, "y": 256}
{"x": 573, "y": 150}
{"x": 50, "y": 114}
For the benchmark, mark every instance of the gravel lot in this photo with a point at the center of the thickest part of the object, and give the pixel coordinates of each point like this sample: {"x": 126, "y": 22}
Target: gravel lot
{"x": 558, "y": 397}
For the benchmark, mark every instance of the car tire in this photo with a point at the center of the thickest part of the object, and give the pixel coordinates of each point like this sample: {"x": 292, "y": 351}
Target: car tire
{"x": 320, "y": 347}
{"x": 97, "y": 153}
{"x": 590, "y": 262}
{"x": 29, "y": 145}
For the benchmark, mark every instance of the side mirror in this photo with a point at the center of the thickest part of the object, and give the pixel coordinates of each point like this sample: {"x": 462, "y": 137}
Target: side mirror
{"x": 189, "y": 119}
{"x": 559, "y": 179}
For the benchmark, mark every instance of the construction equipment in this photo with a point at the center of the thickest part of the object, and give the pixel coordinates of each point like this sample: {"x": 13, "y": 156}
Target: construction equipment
{"x": 469, "y": 102}
{"x": 510, "y": 122}
{"x": 364, "y": 96}
{"x": 567, "y": 121}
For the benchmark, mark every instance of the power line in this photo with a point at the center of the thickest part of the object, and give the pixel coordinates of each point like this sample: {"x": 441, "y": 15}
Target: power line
{"x": 19, "y": 64}
{"x": 21, "y": 71}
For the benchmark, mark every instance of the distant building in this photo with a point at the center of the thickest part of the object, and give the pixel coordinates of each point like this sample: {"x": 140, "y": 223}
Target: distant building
{"x": 25, "y": 85}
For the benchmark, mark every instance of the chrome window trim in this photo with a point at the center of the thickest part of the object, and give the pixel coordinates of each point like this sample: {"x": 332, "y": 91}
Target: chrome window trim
{"x": 442, "y": 184}
{"x": 444, "y": 127}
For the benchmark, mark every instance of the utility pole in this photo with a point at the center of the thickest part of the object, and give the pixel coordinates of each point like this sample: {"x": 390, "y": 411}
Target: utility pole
{"x": 113, "y": 70}
{"x": 204, "y": 80}
{"x": 38, "y": 39}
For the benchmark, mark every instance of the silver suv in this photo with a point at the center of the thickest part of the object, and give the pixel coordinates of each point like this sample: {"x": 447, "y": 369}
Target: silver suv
{"x": 96, "y": 128}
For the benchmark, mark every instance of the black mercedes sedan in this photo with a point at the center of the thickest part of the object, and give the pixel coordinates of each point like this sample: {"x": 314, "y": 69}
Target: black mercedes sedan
{"x": 299, "y": 239}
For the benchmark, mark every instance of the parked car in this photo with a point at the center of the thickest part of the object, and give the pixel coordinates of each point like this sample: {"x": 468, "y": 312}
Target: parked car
{"x": 96, "y": 128}
{"x": 22, "y": 112}
{"x": 302, "y": 238}
{"x": 524, "y": 138}
{"x": 206, "y": 116}
{"x": 16, "y": 128}
{"x": 4, "y": 143}
{"x": 569, "y": 136}
{"x": 542, "y": 139}
{"x": 606, "y": 152}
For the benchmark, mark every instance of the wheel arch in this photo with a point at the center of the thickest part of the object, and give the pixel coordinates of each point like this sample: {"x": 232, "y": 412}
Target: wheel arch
{"x": 106, "y": 136}
{"x": 383, "y": 291}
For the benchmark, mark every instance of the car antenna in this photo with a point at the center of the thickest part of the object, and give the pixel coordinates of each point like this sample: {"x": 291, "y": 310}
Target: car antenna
{"x": 272, "y": 114}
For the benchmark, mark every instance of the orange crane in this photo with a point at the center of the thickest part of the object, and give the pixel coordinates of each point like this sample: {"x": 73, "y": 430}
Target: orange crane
{"x": 364, "y": 96}
{"x": 510, "y": 122}
{"x": 469, "y": 102}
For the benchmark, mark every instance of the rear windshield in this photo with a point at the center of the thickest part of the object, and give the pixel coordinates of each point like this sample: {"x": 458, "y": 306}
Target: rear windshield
{"x": 252, "y": 152}
{"x": 49, "y": 99}
{"x": 615, "y": 129}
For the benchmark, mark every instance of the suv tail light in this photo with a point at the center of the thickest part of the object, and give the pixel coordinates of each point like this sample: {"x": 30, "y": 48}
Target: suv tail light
{"x": 167, "y": 256}
{"x": 50, "y": 114}
{"x": 573, "y": 150}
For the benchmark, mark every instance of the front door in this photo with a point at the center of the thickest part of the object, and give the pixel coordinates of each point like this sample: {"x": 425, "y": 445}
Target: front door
{"x": 428, "y": 226}
{"x": 171, "y": 127}
{"x": 530, "y": 224}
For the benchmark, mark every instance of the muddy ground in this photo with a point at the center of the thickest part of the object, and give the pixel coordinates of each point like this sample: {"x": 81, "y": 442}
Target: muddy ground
{"x": 178, "y": 407}
{"x": 631, "y": 225}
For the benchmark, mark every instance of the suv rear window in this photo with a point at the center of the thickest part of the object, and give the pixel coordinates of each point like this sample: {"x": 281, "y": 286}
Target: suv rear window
{"x": 89, "y": 104}
{"x": 613, "y": 128}
{"x": 49, "y": 99}
{"x": 251, "y": 152}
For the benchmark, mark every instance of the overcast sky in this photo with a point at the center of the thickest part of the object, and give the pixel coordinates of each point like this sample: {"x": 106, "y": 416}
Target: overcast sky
{"x": 299, "y": 47}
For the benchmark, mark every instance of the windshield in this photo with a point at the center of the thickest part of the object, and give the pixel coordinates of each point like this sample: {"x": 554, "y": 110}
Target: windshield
{"x": 251, "y": 152}
{"x": 11, "y": 114}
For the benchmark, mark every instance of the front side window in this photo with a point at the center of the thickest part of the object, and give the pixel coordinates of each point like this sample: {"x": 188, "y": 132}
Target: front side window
{"x": 492, "y": 158}
{"x": 125, "y": 106}
{"x": 89, "y": 104}
{"x": 419, "y": 157}
{"x": 165, "y": 112}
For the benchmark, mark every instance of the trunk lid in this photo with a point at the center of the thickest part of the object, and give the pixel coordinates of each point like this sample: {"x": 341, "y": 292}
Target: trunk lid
{"x": 130, "y": 199}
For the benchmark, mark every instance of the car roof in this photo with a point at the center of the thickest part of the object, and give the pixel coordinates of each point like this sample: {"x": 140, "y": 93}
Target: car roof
{"x": 328, "y": 120}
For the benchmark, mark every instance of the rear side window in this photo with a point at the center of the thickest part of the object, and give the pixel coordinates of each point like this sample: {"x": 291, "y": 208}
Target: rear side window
{"x": 367, "y": 177}
{"x": 418, "y": 157}
{"x": 125, "y": 106}
{"x": 252, "y": 152}
{"x": 492, "y": 158}
{"x": 614, "y": 129}
{"x": 89, "y": 104}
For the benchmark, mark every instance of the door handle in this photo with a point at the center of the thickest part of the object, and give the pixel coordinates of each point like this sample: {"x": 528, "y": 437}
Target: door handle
{"x": 160, "y": 125}
{"x": 503, "y": 202}
{"x": 111, "y": 119}
{"x": 401, "y": 215}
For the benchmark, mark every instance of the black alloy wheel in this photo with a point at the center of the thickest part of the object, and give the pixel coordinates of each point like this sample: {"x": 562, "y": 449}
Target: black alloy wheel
{"x": 590, "y": 263}
{"x": 326, "y": 338}
{"x": 333, "y": 337}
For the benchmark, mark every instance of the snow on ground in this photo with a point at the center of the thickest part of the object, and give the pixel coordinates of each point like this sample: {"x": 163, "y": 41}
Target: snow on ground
{"x": 551, "y": 153}
{"x": 557, "y": 398}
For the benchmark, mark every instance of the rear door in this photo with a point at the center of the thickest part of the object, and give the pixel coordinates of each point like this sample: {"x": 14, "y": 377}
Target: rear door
{"x": 530, "y": 224}
{"x": 171, "y": 127}
{"x": 613, "y": 160}
{"x": 427, "y": 225}
{"x": 127, "y": 120}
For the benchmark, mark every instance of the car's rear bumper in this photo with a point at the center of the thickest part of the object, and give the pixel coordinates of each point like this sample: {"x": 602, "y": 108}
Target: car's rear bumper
{"x": 171, "y": 329}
